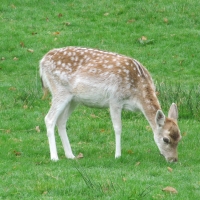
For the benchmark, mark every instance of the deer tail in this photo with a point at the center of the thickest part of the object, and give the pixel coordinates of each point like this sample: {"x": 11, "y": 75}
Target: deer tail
{"x": 44, "y": 85}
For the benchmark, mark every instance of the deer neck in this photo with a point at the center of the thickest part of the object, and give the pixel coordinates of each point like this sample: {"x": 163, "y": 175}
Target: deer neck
{"x": 149, "y": 105}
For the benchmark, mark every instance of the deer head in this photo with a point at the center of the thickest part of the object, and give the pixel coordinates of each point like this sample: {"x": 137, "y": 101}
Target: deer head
{"x": 167, "y": 134}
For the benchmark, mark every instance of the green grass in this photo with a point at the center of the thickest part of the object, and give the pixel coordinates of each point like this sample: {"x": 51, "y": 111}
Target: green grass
{"x": 171, "y": 53}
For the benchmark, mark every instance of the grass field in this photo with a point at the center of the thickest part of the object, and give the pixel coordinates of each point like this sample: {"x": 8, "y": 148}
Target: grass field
{"x": 163, "y": 35}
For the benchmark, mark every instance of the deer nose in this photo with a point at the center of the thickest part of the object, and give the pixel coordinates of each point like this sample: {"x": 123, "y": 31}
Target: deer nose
{"x": 172, "y": 159}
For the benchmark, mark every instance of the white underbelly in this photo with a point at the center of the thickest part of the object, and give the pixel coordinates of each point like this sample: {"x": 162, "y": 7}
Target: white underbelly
{"x": 90, "y": 96}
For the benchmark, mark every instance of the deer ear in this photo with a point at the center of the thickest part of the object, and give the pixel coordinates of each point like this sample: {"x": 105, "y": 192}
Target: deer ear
{"x": 160, "y": 118}
{"x": 173, "y": 112}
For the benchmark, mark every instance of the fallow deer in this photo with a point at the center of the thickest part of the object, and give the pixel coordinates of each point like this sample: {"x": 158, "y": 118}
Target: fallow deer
{"x": 95, "y": 78}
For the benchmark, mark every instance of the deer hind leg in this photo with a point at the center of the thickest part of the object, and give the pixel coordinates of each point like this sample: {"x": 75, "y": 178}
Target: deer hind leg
{"x": 61, "y": 123}
{"x": 115, "y": 112}
{"x": 57, "y": 107}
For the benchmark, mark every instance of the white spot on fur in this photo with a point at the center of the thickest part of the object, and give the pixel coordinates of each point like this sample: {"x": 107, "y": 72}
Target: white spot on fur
{"x": 126, "y": 71}
{"x": 126, "y": 78}
{"x": 76, "y": 58}
{"x": 118, "y": 64}
{"x": 109, "y": 66}
{"x": 119, "y": 71}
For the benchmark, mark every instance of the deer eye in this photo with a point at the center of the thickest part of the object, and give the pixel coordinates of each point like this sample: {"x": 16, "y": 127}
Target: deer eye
{"x": 166, "y": 140}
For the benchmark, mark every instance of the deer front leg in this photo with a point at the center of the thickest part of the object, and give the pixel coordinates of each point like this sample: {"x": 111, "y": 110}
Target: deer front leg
{"x": 115, "y": 112}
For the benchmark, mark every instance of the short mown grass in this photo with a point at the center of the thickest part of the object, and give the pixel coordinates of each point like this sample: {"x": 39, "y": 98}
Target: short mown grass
{"x": 163, "y": 35}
